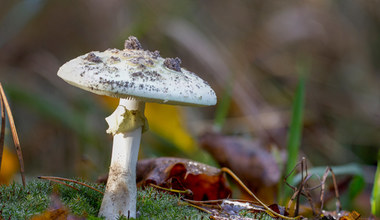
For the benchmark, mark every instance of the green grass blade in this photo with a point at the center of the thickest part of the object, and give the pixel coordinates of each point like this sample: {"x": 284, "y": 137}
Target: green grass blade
{"x": 375, "y": 200}
{"x": 295, "y": 131}
{"x": 294, "y": 137}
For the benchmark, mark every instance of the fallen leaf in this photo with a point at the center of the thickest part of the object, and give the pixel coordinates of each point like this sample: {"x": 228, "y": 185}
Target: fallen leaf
{"x": 351, "y": 216}
{"x": 255, "y": 166}
{"x": 168, "y": 122}
{"x": 9, "y": 166}
{"x": 205, "y": 182}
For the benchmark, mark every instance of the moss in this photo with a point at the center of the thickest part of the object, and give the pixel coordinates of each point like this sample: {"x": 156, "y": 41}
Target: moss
{"x": 19, "y": 203}
{"x": 153, "y": 204}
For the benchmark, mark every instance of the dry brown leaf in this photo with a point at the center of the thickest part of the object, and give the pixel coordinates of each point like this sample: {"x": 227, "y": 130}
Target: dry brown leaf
{"x": 244, "y": 157}
{"x": 255, "y": 166}
{"x": 350, "y": 216}
{"x": 205, "y": 182}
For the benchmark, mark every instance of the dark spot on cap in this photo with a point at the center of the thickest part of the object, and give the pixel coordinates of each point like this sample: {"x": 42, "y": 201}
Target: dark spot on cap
{"x": 93, "y": 58}
{"x": 146, "y": 76}
{"x": 137, "y": 74}
{"x": 153, "y": 75}
{"x": 114, "y": 59}
{"x": 156, "y": 54}
{"x": 149, "y": 62}
{"x": 173, "y": 64}
{"x": 132, "y": 44}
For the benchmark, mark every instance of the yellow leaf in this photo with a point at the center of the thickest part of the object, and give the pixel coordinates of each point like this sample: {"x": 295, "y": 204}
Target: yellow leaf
{"x": 167, "y": 121}
{"x": 9, "y": 166}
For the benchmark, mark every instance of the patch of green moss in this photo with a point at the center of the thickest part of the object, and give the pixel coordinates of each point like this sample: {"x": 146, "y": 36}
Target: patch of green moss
{"x": 154, "y": 204}
{"x": 82, "y": 202}
{"x": 17, "y": 202}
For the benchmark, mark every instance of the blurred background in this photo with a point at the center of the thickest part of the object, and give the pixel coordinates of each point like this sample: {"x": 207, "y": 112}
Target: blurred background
{"x": 246, "y": 50}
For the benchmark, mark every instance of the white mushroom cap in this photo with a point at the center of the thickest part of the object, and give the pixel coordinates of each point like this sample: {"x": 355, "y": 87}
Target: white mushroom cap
{"x": 141, "y": 74}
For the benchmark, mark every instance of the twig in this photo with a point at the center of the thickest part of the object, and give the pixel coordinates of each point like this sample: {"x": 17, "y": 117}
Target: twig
{"x": 290, "y": 173}
{"x": 302, "y": 183}
{"x": 198, "y": 207}
{"x": 187, "y": 191}
{"x": 209, "y": 204}
{"x": 297, "y": 191}
{"x": 2, "y": 134}
{"x": 295, "y": 195}
{"x": 338, "y": 204}
{"x": 69, "y": 180}
{"x": 305, "y": 191}
{"x": 307, "y": 194}
{"x": 203, "y": 202}
{"x": 63, "y": 183}
{"x": 14, "y": 134}
{"x": 226, "y": 170}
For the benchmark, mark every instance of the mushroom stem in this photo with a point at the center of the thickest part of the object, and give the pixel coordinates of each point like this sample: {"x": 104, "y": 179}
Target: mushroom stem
{"x": 120, "y": 194}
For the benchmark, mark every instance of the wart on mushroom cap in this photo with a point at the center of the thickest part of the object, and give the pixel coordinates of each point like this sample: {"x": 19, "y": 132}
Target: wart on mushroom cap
{"x": 173, "y": 64}
{"x": 132, "y": 44}
{"x": 134, "y": 72}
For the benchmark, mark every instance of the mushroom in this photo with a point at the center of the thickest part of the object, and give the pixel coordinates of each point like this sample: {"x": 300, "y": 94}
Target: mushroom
{"x": 135, "y": 76}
